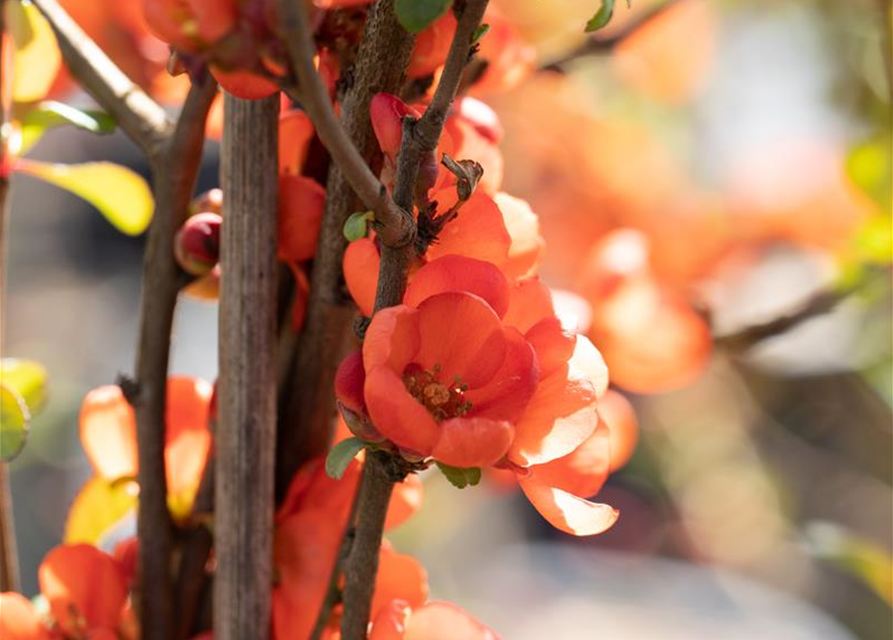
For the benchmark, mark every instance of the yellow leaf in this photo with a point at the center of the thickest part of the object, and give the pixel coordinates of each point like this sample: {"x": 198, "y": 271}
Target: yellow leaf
{"x": 100, "y": 505}
{"x": 120, "y": 194}
{"x": 36, "y": 57}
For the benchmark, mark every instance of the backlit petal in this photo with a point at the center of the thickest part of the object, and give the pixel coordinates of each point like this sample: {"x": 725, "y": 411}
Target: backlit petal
{"x": 567, "y": 512}
{"x": 584, "y": 470}
{"x": 445, "y": 621}
{"x": 108, "y": 432}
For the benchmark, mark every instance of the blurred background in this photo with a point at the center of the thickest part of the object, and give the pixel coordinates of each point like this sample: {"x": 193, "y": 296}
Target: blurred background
{"x": 738, "y": 155}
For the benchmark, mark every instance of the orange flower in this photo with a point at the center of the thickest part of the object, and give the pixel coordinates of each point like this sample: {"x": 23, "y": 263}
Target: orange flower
{"x": 85, "y": 591}
{"x": 108, "y": 435}
{"x": 652, "y": 339}
{"x": 472, "y": 371}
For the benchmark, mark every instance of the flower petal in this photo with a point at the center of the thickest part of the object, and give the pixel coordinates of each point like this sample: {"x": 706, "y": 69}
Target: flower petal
{"x": 472, "y": 442}
{"x": 108, "y": 432}
{"x": 406, "y": 500}
{"x": 400, "y": 576}
{"x": 19, "y": 619}
{"x": 301, "y": 203}
{"x": 360, "y": 265}
{"x": 80, "y": 581}
{"x": 305, "y": 549}
{"x": 563, "y": 411}
{"x": 477, "y": 232}
{"x": 458, "y": 273}
{"x": 445, "y": 621}
{"x": 506, "y": 395}
{"x": 397, "y": 415}
{"x": 461, "y": 334}
{"x": 349, "y": 380}
{"x": 187, "y": 436}
{"x": 567, "y": 512}
{"x": 530, "y": 303}
{"x": 523, "y": 225}
{"x": 553, "y": 345}
{"x": 392, "y": 339}
{"x": 584, "y": 470}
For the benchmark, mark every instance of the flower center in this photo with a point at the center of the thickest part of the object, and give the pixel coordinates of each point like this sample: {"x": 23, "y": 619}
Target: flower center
{"x": 442, "y": 400}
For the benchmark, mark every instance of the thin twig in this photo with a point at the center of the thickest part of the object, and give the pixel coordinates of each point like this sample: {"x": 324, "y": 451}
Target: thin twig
{"x": 141, "y": 118}
{"x": 333, "y": 591}
{"x": 600, "y": 44}
{"x": 420, "y": 139}
{"x": 397, "y": 225}
{"x": 308, "y": 406}
{"x": 174, "y": 174}
{"x": 195, "y": 551}
{"x": 380, "y": 472}
{"x": 246, "y": 431}
{"x": 817, "y": 305}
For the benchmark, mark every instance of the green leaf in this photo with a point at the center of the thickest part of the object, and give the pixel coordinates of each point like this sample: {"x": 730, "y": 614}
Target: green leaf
{"x": 603, "y": 15}
{"x": 460, "y": 478}
{"x": 355, "y": 225}
{"x": 14, "y": 419}
{"x": 50, "y": 114}
{"x": 28, "y": 379}
{"x": 121, "y": 195}
{"x": 480, "y": 32}
{"x": 341, "y": 455}
{"x": 415, "y": 15}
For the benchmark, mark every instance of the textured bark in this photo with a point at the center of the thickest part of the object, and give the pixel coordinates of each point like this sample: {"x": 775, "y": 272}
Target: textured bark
{"x": 246, "y": 431}
{"x": 376, "y": 487}
{"x": 309, "y": 409}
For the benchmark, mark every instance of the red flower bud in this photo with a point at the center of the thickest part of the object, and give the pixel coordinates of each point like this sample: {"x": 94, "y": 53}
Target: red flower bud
{"x": 197, "y": 245}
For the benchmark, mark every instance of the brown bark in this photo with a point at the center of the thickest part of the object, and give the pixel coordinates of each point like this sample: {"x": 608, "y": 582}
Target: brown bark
{"x": 309, "y": 409}
{"x": 246, "y": 431}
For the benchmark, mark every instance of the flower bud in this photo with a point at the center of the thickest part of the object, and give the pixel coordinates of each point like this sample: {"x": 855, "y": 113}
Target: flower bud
{"x": 197, "y": 245}
{"x": 211, "y": 200}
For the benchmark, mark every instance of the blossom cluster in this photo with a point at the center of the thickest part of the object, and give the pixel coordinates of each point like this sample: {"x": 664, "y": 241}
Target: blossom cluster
{"x": 479, "y": 368}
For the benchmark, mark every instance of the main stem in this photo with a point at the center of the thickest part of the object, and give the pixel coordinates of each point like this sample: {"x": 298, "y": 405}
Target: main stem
{"x": 246, "y": 432}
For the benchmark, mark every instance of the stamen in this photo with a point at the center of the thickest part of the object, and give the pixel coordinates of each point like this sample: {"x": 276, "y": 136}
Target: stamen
{"x": 443, "y": 401}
